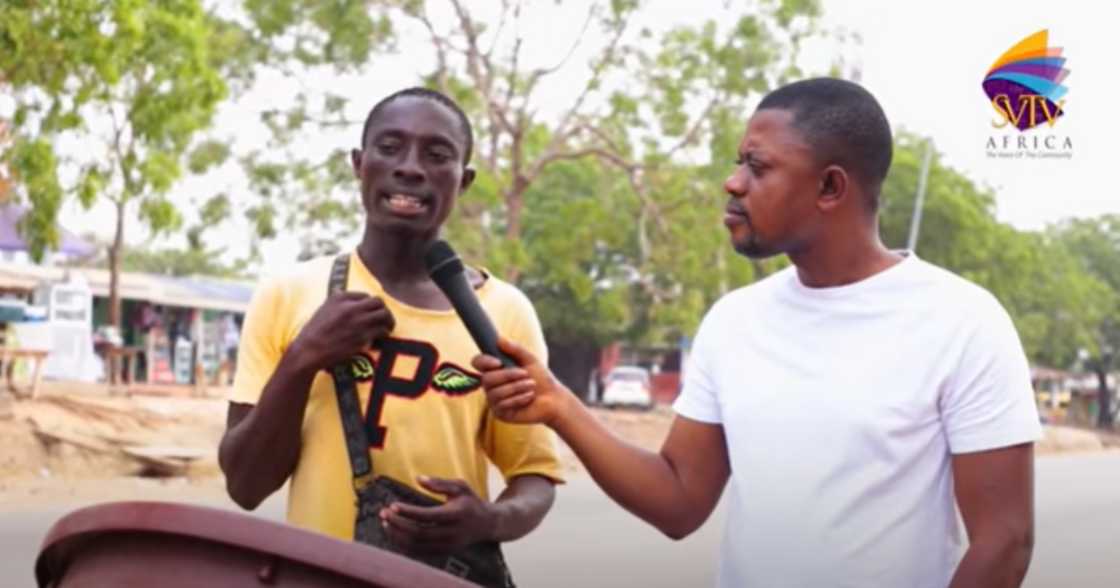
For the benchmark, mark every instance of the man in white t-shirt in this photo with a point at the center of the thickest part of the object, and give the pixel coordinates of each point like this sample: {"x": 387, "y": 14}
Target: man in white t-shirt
{"x": 854, "y": 400}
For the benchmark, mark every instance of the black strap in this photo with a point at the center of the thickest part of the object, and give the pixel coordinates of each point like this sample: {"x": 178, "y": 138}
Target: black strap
{"x": 357, "y": 444}
{"x": 481, "y": 563}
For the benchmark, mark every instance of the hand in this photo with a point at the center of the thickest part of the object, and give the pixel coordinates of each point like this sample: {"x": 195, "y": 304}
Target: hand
{"x": 346, "y": 324}
{"x": 525, "y": 394}
{"x": 462, "y": 520}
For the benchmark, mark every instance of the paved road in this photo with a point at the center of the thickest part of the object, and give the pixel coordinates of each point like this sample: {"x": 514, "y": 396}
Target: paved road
{"x": 586, "y": 541}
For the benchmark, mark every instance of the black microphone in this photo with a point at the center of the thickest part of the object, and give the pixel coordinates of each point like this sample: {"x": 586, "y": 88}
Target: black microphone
{"x": 447, "y": 271}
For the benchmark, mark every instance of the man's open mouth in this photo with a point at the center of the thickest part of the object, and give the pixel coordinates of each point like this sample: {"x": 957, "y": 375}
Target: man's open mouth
{"x": 406, "y": 204}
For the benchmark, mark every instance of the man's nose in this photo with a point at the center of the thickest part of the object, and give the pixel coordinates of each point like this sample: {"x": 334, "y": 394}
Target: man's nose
{"x": 736, "y": 183}
{"x": 408, "y": 169}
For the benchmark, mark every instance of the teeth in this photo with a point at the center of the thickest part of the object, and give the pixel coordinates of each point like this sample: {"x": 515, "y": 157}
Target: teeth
{"x": 405, "y": 200}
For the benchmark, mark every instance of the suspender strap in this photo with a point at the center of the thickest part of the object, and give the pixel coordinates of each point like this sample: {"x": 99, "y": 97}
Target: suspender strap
{"x": 357, "y": 444}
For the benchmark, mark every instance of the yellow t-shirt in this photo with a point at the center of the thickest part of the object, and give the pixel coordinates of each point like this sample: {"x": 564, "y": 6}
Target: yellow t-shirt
{"x": 429, "y": 416}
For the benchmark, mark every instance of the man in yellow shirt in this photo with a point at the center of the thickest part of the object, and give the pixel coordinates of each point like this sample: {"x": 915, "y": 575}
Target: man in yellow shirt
{"x": 424, "y": 412}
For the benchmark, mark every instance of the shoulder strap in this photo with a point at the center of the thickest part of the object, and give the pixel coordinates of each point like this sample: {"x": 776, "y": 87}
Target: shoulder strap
{"x": 357, "y": 444}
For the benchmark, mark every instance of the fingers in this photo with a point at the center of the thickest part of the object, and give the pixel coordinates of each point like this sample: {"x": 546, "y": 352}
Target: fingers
{"x": 443, "y": 514}
{"x": 514, "y": 403}
{"x": 380, "y": 321}
{"x": 449, "y": 488}
{"x": 371, "y": 318}
{"x": 416, "y": 536}
{"x": 517, "y": 353}
{"x": 486, "y": 363}
{"x": 402, "y": 531}
{"x": 500, "y": 396}
{"x": 497, "y": 378}
{"x": 357, "y": 303}
{"x": 349, "y": 296}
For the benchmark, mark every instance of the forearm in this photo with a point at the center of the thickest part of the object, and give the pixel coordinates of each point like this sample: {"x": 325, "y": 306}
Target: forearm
{"x": 641, "y": 481}
{"x": 258, "y": 454}
{"x": 522, "y": 506}
{"x": 993, "y": 565}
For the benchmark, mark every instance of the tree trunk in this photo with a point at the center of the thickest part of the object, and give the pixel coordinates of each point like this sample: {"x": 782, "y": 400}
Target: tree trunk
{"x": 1104, "y": 399}
{"x": 573, "y": 362}
{"x": 515, "y": 202}
{"x": 115, "y": 254}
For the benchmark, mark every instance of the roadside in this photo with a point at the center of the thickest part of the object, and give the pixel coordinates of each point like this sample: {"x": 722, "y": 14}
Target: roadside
{"x": 78, "y": 448}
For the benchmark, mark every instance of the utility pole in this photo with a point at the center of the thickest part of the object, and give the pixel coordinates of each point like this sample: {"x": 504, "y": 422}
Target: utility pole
{"x": 916, "y": 219}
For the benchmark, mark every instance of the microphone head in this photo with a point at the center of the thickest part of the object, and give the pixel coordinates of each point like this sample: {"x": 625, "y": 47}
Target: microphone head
{"x": 442, "y": 262}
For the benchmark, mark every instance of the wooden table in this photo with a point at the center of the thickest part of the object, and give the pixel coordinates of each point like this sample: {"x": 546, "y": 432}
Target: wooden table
{"x": 8, "y": 357}
{"x": 120, "y": 362}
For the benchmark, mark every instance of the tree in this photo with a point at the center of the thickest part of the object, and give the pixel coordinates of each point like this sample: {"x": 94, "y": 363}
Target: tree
{"x": 196, "y": 259}
{"x": 1095, "y": 244}
{"x": 5, "y": 174}
{"x": 607, "y": 182}
{"x": 110, "y": 92}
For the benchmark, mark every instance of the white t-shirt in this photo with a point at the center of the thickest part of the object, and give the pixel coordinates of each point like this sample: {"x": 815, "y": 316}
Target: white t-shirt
{"x": 841, "y": 407}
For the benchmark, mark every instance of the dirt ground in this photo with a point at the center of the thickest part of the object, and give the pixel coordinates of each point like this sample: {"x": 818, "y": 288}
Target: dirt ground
{"x": 66, "y": 446}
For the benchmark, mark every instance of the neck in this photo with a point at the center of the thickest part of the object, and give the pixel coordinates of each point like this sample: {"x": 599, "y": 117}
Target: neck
{"x": 394, "y": 258}
{"x": 842, "y": 258}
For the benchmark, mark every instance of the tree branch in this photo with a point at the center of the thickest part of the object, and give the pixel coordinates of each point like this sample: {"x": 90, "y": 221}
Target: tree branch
{"x": 601, "y": 153}
{"x": 476, "y": 60}
{"x": 690, "y": 135}
{"x": 118, "y": 130}
{"x": 441, "y": 50}
{"x": 498, "y": 33}
{"x": 539, "y": 73}
{"x": 562, "y": 132}
{"x": 481, "y": 70}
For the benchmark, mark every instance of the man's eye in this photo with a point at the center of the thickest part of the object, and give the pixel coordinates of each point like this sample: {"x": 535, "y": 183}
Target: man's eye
{"x": 439, "y": 155}
{"x": 388, "y": 147}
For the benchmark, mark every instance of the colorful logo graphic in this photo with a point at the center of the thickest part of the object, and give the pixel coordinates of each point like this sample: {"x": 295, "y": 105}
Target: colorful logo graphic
{"x": 453, "y": 380}
{"x": 1025, "y": 84}
{"x": 362, "y": 368}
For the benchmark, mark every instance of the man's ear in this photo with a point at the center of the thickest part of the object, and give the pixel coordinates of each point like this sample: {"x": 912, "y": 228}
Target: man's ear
{"x": 834, "y": 187}
{"x": 468, "y": 179}
{"x": 356, "y": 162}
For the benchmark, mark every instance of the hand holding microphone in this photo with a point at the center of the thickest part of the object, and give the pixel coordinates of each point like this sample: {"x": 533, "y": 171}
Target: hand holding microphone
{"x": 447, "y": 271}
{"x": 519, "y": 388}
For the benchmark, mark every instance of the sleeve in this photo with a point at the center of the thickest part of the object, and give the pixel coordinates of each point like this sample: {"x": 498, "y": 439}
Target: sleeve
{"x": 989, "y": 402}
{"x": 518, "y": 450}
{"x": 699, "y": 398}
{"x": 262, "y": 343}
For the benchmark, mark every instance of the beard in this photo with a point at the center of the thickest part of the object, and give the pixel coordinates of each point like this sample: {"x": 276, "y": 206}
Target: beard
{"x": 752, "y": 247}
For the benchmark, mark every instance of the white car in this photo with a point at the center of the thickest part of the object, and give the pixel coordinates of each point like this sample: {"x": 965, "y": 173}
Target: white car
{"x": 627, "y": 386}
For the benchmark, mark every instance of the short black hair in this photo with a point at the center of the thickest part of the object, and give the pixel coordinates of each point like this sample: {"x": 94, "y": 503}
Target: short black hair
{"x": 427, "y": 94}
{"x": 842, "y": 123}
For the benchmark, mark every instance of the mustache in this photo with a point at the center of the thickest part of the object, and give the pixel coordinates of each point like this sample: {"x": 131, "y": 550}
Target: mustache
{"x": 734, "y": 207}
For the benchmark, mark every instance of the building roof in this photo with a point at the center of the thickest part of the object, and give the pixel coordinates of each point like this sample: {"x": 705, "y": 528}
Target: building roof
{"x": 200, "y": 292}
{"x": 11, "y": 239}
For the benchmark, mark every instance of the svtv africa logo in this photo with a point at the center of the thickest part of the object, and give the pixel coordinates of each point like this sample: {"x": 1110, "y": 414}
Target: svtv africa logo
{"x": 1025, "y": 88}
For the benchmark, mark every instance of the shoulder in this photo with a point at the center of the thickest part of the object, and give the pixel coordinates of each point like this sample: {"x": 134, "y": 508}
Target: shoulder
{"x": 750, "y": 298}
{"x": 296, "y": 281}
{"x": 948, "y": 293}
{"x": 500, "y": 295}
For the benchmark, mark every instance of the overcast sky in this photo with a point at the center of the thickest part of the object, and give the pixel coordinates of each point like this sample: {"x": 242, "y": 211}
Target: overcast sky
{"x": 924, "y": 61}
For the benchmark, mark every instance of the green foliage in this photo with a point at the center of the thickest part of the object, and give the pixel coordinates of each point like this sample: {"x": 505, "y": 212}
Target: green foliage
{"x": 131, "y": 81}
{"x": 179, "y": 262}
{"x": 1056, "y": 285}
{"x": 608, "y": 218}
{"x": 1094, "y": 246}
{"x": 596, "y": 215}
{"x": 207, "y": 155}
{"x": 37, "y": 169}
